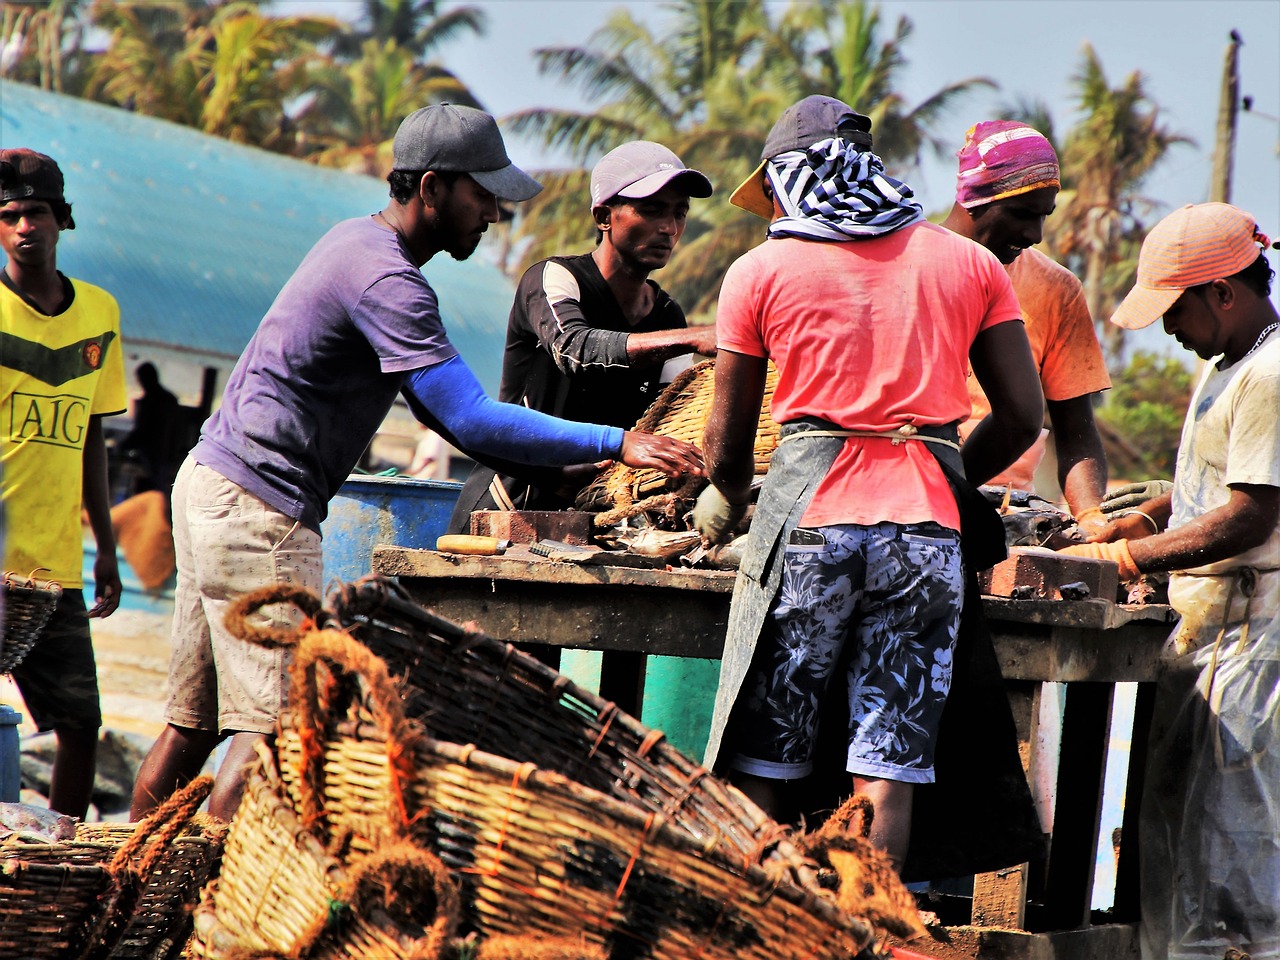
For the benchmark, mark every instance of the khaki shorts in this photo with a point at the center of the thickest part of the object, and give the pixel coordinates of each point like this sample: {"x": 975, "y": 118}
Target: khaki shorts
{"x": 229, "y": 542}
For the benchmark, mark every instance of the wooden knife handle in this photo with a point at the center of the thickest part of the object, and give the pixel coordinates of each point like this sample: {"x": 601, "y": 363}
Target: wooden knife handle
{"x": 475, "y": 546}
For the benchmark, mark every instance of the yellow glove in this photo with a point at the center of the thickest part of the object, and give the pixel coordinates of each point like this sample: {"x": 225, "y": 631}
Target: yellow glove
{"x": 1117, "y": 552}
{"x": 1092, "y": 521}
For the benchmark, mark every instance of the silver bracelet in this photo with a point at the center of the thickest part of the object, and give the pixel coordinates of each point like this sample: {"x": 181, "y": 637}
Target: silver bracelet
{"x": 1155, "y": 527}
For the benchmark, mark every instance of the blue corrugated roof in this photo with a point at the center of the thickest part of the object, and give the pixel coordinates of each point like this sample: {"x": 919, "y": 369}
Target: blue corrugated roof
{"x": 195, "y": 235}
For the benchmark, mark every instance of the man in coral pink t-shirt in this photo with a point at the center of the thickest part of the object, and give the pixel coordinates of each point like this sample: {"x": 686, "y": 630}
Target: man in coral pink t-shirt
{"x": 872, "y": 317}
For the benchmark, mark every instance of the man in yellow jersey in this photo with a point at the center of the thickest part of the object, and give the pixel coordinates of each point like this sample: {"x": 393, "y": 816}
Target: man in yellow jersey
{"x": 61, "y": 372}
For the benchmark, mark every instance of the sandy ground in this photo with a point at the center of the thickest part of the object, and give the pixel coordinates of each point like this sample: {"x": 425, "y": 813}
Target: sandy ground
{"x": 132, "y": 650}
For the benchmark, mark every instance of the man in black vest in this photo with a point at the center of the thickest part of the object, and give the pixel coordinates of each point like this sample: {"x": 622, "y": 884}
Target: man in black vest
{"x": 588, "y": 335}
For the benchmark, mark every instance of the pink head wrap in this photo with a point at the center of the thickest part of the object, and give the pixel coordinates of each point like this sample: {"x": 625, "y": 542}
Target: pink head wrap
{"x": 1003, "y": 158}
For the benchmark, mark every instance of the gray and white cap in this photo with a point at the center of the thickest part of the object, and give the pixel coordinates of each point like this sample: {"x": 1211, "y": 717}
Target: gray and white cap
{"x": 450, "y": 138}
{"x": 640, "y": 168}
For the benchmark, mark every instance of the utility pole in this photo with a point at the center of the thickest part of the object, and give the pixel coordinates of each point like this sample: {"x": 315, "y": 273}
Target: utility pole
{"x": 1224, "y": 150}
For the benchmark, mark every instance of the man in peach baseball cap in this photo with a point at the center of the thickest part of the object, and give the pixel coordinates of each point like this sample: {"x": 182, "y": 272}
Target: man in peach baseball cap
{"x": 1210, "y": 824}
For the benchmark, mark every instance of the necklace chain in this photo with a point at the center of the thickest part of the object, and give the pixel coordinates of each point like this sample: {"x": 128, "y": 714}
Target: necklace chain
{"x": 1262, "y": 336}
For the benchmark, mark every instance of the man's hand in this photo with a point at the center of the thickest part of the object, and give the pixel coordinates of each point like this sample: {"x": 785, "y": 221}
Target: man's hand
{"x": 1091, "y": 523}
{"x": 106, "y": 580}
{"x": 1117, "y": 552}
{"x": 1134, "y": 495}
{"x": 673, "y": 457}
{"x": 702, "y": 339}
{"x": 714, "y": 516}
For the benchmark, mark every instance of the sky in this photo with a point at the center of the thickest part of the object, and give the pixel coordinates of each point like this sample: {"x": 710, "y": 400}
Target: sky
{"x": 1030, "y": 48}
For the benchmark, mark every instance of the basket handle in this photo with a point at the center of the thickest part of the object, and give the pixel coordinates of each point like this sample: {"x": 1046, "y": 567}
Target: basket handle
{"x": 154, "y": 833}
{"x": 316, "y": 698}
{"x": 236, "y": 619}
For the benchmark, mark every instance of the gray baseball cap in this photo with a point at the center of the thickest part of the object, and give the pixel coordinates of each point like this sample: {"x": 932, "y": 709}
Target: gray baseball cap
{"x": 451, "y": 138}
{"x": 640, "y": 168}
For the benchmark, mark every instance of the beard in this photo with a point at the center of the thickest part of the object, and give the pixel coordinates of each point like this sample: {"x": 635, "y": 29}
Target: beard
{"x": 460, "y": 248}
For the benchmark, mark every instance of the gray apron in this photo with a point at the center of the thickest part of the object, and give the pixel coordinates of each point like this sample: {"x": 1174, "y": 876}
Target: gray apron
{"x": 977, "y": 736}
{"x": 796, "y": 469}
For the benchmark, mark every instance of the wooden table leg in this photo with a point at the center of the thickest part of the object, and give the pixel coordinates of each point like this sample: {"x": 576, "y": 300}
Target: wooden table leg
{"x": 622, "y": 679}
{"x": 1086, "y": 727}
{"x": 1000, "y": 897}
{"x": 1127, "y": 905}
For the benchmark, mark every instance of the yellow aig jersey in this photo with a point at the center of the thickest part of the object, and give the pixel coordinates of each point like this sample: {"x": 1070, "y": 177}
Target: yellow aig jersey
{"x": 55, "y": 373}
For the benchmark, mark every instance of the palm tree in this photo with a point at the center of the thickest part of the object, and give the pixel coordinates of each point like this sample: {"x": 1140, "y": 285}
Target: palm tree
{"x": 146, "y": 65}
{"x": 837, "y": 47}
{"x": 42, "y": 43}
{"x": 419, "y": 26}
{"x": 710, "y": 87}
{"x": 356, "y": 107}
{"x": 222, "y": 67}
{"x": 1101, "y": 216}
{"x": 250, "y": 67}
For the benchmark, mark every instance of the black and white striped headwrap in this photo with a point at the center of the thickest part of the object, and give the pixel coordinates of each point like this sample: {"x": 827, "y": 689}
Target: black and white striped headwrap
{"x": 833, "y": 190}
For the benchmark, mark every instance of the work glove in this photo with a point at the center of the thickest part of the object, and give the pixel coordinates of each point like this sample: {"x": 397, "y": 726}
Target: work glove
{"x": 1117, "y": 552}
{"x": 714, "y": 516}
{"x": 1134, "y": 495}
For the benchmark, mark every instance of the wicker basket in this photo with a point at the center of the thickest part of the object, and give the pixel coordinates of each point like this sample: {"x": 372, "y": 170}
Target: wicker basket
{"x": 538, "y": 853}
{"x": 465, "y": 687}
{"x": 160, "y": 923}
{"x": 681, "y": 412}
{"x": 543, "y": 853}
{"x": 118, "y": 890}
{"x": 28, "y": 605}
{"x": 49, "y": 897}
{"x": 287, "y": 891}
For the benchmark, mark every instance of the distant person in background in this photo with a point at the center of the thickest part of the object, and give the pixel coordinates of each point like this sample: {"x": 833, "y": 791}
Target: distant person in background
{"x": 355, "y": 326}
{"x": 1007, "y": 185}
{"x": 153, "y": 437}
{"x": 430, "y": 458}
{"x": 589, "y": 334}
{"x": 61, "y": 372}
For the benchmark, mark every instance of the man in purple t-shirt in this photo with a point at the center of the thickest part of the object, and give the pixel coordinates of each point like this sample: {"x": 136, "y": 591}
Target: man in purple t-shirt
{"x": 356, "y": 325}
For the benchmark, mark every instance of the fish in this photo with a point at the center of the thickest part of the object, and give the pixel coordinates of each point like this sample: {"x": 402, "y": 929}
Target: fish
{"x": 38, "y": 823}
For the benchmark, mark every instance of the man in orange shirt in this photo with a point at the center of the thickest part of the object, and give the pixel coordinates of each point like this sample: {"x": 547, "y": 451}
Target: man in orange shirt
{"x": 1007, "y": 185}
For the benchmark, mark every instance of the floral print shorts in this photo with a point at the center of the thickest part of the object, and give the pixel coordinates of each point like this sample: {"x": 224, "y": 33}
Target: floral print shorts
{"x": 891, "y": 591}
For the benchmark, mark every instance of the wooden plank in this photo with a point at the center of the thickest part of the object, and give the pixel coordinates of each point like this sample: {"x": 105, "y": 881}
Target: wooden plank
{"x": 1127, "y": 907}
{"x": 1000, "y": 898}
{"x": 648, "y": 621}
{"x": 1128, "y": 652}
{"x": 518, "y": 564}
{"x": 1097, "y": 614}
{"x": 1086, "y": 730}
{"x": 1104, "y": 942}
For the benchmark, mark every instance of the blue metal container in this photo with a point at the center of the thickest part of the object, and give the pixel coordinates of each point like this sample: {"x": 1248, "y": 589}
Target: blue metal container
{"x": 10, "y": 755}
{"x": 369, "y": 511}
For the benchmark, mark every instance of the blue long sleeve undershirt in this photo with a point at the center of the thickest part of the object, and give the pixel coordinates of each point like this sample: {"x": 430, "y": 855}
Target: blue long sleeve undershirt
{"x": 451, "y": 392}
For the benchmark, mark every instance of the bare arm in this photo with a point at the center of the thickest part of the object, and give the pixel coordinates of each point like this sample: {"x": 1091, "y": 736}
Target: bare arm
{"x": 1082, "y": 464}
{"x": 658, "y": 346}
{"x": 728, "y": 443}
{"x": 1242, "y": 523}
{"x": 1002, "y": 362}
{"x": 97, "y": 503}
